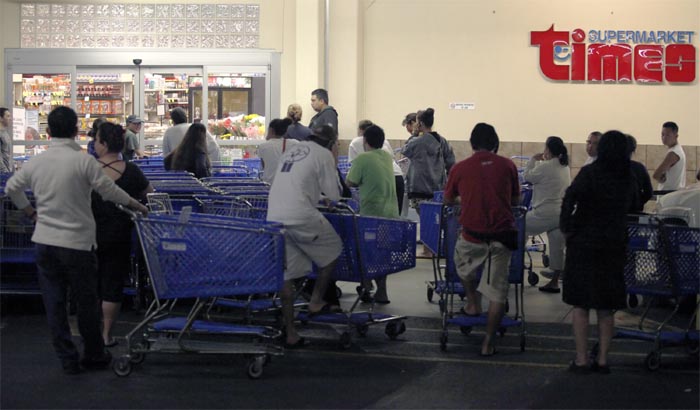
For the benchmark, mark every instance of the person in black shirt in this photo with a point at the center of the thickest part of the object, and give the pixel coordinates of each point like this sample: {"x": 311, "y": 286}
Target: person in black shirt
{"x": 641, "y": 177}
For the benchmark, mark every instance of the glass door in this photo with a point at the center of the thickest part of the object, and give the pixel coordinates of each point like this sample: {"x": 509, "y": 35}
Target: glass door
{"x": 106, "y": 93}
{"x": 35, "y": 92}
{"x": 165, "y": 88}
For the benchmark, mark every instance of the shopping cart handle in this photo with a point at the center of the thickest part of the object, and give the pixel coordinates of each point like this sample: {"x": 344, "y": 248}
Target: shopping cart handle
{"x": 132, "y": 214}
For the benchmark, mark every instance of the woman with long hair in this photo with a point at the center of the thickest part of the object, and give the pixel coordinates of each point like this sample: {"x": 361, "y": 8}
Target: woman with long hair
{"x": 114, "y": 226}
{"x": 191, "y": 155}
{"x": 549, "y": 174}
{"x": 594, "y": 222}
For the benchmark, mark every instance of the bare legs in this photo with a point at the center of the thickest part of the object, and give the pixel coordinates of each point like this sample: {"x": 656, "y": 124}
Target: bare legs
{"x": 110, "y": 311}
{"x": 606, "y": 327}
{"x": 495, "y": 314}
{"x": 316, "y": 303}
{"x": 473, "y": 306}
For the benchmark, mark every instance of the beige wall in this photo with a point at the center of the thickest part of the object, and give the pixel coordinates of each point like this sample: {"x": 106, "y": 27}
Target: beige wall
{"x": 430, "y": 53}
{"x": 389, "y": 57}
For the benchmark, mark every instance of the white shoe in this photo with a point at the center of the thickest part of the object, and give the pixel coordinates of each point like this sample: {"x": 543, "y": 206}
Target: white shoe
{"x": 547, "y": 273}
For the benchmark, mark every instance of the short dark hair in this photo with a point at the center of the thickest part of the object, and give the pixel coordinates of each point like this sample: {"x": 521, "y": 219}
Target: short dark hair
{"x": 410, "y": 118}
{"x": 364, "y": 124}
{"x": 279, "y": 126}
{"x": 63, "y": 123}
{"x": 324, "y": 136}
{"x": 112, "y": 136}
{"x": 427, "y": 117}
{"x": 374, "y": 136}
{"x": 3, "y": 110}
{"x": 484, "y": 137}
{"x": 321, "y": 94}
{"x": 613, "y": 151}
{"x": 178, "y": 115}
{"x": 96, "y": 126}
{"x": 672, "y": 125}
{"x": 631, "y": 144}
{"x": 596, "y": 134}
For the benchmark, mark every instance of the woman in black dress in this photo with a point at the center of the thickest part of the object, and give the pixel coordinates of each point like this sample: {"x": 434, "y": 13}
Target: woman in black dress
{"x": 114, "y": 226}
{"x": 593, "y": 220}
{"x": 191, "y": 155}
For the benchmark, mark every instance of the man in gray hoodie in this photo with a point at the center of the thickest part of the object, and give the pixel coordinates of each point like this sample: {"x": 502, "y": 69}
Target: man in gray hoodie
{"x": 325, "y": 114}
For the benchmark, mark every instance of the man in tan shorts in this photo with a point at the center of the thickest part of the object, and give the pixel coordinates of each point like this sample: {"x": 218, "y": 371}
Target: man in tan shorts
{"x": 486, "y": 186}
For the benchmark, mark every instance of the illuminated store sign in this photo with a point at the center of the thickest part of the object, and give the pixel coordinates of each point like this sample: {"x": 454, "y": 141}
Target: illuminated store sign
{"x": 617, "y": 55}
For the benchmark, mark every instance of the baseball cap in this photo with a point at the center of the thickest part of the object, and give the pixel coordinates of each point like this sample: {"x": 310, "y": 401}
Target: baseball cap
{"x": 133, "y": 119}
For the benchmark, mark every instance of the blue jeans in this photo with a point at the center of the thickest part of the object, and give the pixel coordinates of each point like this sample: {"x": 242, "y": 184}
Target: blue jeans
{"x": 59, "y": 267}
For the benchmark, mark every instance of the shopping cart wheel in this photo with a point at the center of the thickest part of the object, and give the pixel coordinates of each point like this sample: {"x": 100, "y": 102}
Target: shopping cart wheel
{"x": 138, "y": 357}
{"x": 545, "y": 260}
{"x": 362, "y": 330}
{"x": 443, "y": 341}
{"x": 532, "y": 278}
{"x": 255, "y": 366}
{"x": 430, "y": 293}
{"x": 122, "y": 366}
{"x": 393, "y": 330}
{"x": 338, "y": 292}
{"x": 466, "y": 330}
{"x": 345, "y": 340}
{"x": 522, "y": 342}
{"x": 653, "y": 360}
{"x": 633, "y": 301}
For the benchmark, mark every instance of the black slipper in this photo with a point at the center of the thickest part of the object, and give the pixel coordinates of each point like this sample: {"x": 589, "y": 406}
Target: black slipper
{"x": 576, "y": 369}
{"x": 547, "y": 289}
{"x": 299, "y": 344}
{"x": 382, "y": 302}
{"x": 597, "y": 368}
{"x": 464, "y": 312}
{"x": 491, "y": 353}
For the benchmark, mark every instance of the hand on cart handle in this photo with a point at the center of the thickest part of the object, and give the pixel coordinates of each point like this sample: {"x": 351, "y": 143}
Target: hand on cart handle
{"x": 135, "y": 209}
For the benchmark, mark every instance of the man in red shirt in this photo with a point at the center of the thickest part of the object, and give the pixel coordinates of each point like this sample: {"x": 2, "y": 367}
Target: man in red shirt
{"x": 486, "y": 186}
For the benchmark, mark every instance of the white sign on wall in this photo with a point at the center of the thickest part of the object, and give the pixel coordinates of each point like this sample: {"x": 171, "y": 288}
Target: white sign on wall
{"x": 19, "y": 123}
{"x": 462, "y": 106}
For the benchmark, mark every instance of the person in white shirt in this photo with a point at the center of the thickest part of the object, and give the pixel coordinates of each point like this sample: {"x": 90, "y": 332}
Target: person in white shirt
{"x": 5, "y": 141}
{"x": 62, "y": 180}
{"x": 357, "y": 147}
{"x": 175, "y": 134}
{"x": 305, "y": 171}
{"x": 271, "y": 150}
{"x": 671, "y": 172}
{"x": 688, "y": 198}
{"x": 549, "y": 174}
{"x": 592, "y": 147}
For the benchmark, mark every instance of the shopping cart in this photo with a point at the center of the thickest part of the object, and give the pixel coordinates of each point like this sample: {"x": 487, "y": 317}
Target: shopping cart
{"x": 373, "y": 247}
{"x": 17, "y": 251}
{"x": 433, "y": 217}
{"x": 663, "y": 261}
{"x": 534, "y": 243}
{"x": 204, "y": 257}
{"x": 515, "y": 277}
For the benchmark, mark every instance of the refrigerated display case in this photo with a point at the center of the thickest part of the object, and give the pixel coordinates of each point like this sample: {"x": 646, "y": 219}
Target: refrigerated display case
{"x": 34, "y": 96}
{"x": 103, "y": 94}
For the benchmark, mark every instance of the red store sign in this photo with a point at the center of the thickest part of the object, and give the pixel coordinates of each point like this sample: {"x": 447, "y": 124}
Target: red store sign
{"x": 610, "y": 56}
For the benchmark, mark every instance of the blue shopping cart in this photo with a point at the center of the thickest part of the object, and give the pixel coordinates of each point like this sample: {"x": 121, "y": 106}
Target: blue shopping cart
{"x": 204, "y": 257}
{"x": 452, "y": 230}
{"x": 373, "y": 247}
{"x": 663, "y": 261}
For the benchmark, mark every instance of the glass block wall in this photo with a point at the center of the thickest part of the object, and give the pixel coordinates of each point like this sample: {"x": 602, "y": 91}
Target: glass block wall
{"x": 45, "y": 25}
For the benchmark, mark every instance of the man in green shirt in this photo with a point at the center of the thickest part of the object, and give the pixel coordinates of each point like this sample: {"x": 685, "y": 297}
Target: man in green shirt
{"x": 373, "y": 172}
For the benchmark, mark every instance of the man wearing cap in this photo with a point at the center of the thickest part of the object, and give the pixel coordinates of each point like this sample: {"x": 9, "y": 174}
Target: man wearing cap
{"x": 131, "y": 138}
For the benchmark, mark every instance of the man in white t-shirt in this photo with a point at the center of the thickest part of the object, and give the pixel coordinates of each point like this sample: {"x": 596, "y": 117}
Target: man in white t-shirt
{"x": 305, "y": 172}
{"x": 671, "y": 173}
{"x": 592, "y": 147}
{"x": 175, "y": 134}
{"x": 357, "y": 147}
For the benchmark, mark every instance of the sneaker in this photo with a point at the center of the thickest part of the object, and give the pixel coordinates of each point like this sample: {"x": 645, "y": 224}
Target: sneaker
{"x": 101, "y": 361}
{"x": 71, "y": 367}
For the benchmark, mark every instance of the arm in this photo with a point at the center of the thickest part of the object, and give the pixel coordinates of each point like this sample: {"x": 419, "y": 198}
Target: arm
{"x": 447, "y": 154}
{"x": 515, "y": 184}
{"x": 15, "y": 187}
{"x": 354, "y": 177}
{"x": 166, "y": 145}
{"x": 409, "y": 149}
{"x": 213, "y": 149}
{"x": 329, "y": 178}
{"x": 533, "y": 173}
{"x": 450, "y": 196}
{"x": 668, "y": 162}
{"x": 108, "y": 190}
